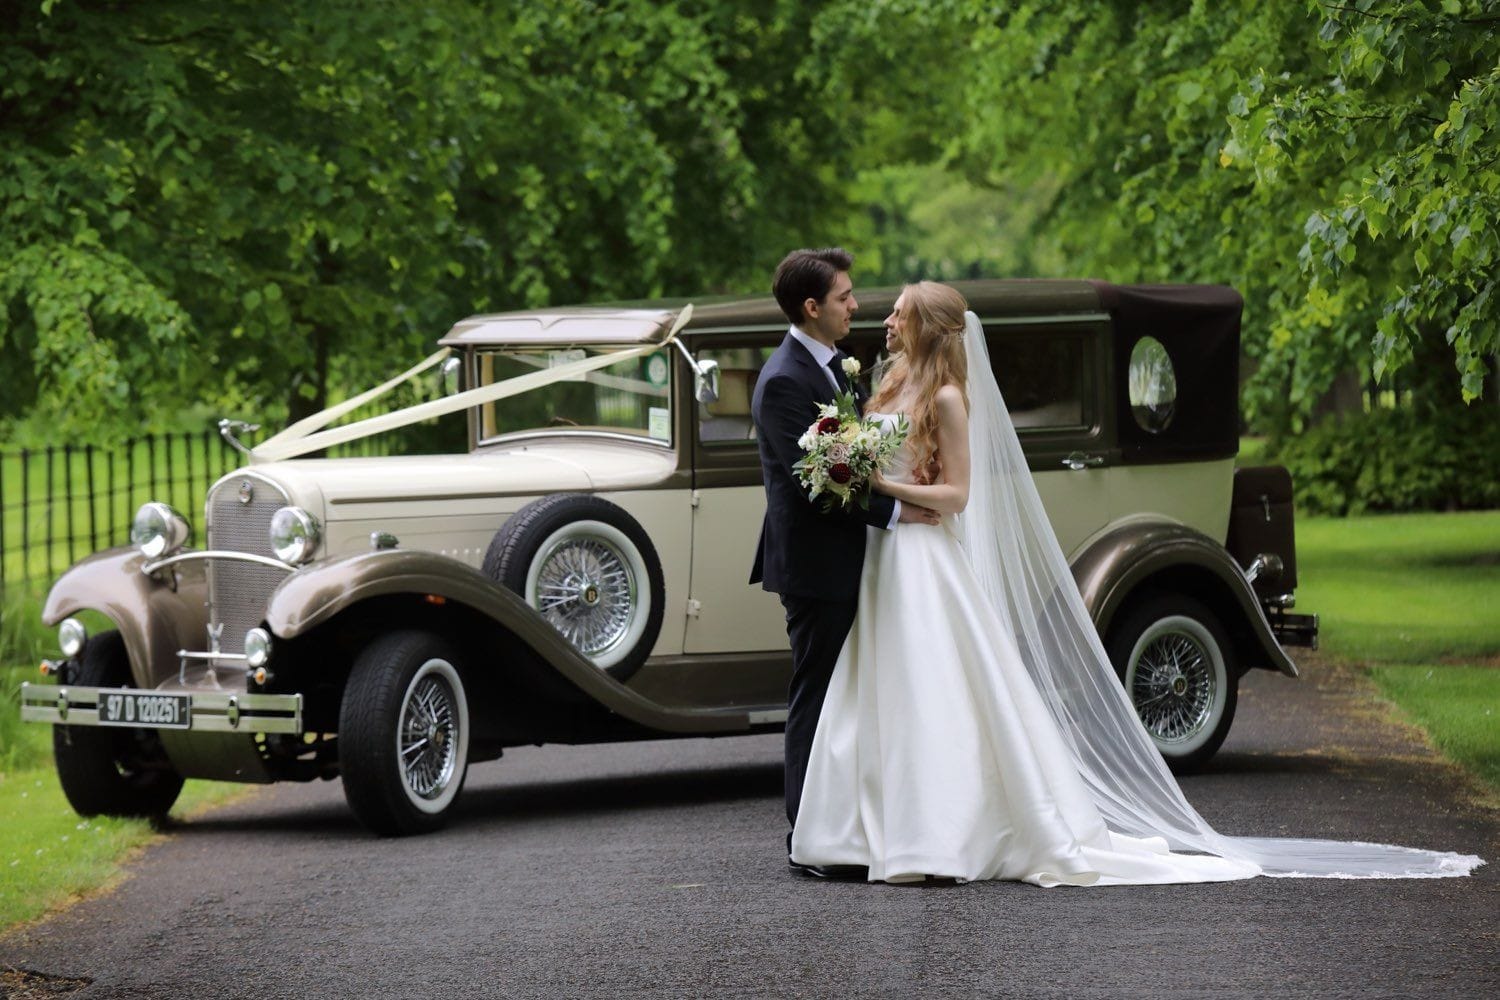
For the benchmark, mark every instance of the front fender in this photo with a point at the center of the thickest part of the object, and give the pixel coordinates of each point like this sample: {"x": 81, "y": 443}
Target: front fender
{"x": 156, "y": 615}
{"x": 1113, "y": 565}
{"x": 316, "y": 594}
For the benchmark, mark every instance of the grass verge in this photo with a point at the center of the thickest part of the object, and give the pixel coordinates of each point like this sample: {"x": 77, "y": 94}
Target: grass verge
{"x": 1415, "y": 600}
{"x": 1458, "y": 706}
{"x": 50, "y": 856}
{"x": 1403, "y": 588}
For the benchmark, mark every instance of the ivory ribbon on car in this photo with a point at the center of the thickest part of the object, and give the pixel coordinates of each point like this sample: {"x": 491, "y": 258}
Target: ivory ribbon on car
{"x": 299, "y": 438}
{"x": 323, "y": 418}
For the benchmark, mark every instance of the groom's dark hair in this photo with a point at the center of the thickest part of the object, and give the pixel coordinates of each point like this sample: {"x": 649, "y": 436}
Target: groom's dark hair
{"x": 807, "y": 274}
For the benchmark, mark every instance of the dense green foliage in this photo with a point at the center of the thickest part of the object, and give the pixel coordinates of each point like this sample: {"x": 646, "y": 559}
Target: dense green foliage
{"x": 1333, "y": 161}
{"x": 256, "y": 200}
{"x": 1396, "y": 460}
{"x": 251, "y": 204}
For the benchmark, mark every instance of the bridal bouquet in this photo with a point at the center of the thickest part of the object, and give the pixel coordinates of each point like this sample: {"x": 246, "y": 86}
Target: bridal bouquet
{"x": 843, "y": 451}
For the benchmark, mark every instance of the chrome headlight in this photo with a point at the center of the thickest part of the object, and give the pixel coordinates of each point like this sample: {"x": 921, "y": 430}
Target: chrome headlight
{"x": 294, "y": 535}
{"x": 257, "y": 647}
{"x": 158, "y": 530}
{"x": 71, "y": 635}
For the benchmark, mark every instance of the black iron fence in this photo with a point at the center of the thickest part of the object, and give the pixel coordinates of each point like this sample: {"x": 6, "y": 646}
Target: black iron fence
{"x": 59, "y": 504}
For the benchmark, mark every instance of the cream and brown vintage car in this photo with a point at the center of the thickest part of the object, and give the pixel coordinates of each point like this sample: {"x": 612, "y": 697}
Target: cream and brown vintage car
{"x": 581, "y": 574}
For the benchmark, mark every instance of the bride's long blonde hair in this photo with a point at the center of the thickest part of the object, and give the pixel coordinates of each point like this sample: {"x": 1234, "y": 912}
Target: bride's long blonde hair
{"x": 930, "y": 355}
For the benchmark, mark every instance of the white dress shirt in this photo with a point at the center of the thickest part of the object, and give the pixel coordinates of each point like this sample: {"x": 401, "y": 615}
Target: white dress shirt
{"x": 823, "y": 354}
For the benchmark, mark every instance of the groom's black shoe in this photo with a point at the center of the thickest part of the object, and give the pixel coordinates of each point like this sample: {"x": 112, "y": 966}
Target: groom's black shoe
{"x": 834, "y": 873}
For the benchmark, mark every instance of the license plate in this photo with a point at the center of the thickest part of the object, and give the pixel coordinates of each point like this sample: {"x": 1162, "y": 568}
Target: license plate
{"x": 143, "y": 708}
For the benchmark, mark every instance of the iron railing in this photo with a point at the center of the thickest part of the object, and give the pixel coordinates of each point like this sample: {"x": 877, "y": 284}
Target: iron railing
{"x": 61, "y": 503}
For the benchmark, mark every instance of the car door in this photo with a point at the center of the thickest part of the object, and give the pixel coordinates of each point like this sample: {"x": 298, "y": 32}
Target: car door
{"x": 726, "y": 613}
{"x": 1051, "y": 373}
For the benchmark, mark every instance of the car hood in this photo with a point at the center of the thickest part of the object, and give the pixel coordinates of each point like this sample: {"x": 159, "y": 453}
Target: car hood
{"x": 340, "y": 488}
{"x": 434, "y": 485}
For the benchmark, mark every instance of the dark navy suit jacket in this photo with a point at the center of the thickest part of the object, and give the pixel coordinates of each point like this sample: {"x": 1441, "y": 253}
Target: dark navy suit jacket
{"x": 803, "y": 551}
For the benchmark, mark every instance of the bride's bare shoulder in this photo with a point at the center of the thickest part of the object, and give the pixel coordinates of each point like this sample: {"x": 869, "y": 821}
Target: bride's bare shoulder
{"x": 950, "y": 399}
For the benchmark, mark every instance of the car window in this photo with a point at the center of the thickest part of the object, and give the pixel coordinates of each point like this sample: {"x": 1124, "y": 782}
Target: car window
{"x": 1041, "y": 376}
{"x": 633, "y": 396}
{"x": 726, "y": 421}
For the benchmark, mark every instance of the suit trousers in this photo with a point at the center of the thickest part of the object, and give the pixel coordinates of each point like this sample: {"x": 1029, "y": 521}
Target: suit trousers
{"x": 817, "y": 629}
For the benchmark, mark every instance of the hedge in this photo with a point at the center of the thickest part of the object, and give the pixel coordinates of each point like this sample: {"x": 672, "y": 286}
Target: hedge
{"x": 1397, "y": 460}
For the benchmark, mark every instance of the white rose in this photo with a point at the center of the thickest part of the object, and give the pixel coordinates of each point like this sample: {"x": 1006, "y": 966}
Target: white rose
{"x": 851, "y": 367}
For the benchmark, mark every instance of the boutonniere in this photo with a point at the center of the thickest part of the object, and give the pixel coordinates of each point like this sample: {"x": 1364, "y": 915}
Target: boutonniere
{"x": 851, "y": 367}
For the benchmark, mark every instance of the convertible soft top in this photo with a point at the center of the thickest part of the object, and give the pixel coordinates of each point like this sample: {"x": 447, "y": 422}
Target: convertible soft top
{"x": 1199, "y": 325}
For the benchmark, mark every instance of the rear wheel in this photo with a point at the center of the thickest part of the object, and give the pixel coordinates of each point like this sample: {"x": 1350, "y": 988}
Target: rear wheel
{"x": 404, "y": 734}
{"x": 109, "y": 770}
{"x": 1178, "y": 669}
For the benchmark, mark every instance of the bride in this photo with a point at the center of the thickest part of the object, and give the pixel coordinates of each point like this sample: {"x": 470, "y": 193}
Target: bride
{"x": 973, "y": 727}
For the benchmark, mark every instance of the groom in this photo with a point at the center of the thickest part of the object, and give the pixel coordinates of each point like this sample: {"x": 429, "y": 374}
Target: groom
{"x": 811, "y": 558}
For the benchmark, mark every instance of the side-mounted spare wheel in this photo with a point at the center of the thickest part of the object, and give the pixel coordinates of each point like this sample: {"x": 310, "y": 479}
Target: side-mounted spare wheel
{"x": 109, "y": 770}
{"x": 403, "y": 734}
{"x": 590, "y": 570}
{"x": 1178, "y": 668}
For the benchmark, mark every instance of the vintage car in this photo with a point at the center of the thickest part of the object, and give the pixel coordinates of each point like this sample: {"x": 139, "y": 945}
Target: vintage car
{"x": 581, "y": 574}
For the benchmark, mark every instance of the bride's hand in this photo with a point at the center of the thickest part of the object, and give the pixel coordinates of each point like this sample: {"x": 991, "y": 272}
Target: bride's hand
{"x": 877, "y": 481}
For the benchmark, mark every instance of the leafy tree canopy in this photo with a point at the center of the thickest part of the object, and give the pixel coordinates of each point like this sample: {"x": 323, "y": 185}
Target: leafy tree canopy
{"x": 255, "y": 200}
{"x": 1335, "y": 161}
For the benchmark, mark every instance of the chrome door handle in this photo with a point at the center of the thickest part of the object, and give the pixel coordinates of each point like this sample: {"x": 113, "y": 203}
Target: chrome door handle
{"x": 1078, "y": 461}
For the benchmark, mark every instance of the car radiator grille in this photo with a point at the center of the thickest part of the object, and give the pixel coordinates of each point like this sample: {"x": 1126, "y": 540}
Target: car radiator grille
{"x": 237, "y": 591}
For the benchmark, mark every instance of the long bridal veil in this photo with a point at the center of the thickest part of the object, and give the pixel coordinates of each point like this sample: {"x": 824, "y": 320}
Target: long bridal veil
{"x": 1023, "y": 574}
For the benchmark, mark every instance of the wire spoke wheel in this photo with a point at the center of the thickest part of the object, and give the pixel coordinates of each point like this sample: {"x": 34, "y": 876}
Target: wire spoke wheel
{"x": 586, "y": 589}
{"x": 427, "y": 731}
{"x": 404, "y": 733}
{"x": 1177, "y": 666}
{"x": 1173, "y": 687}
{"x": 590, "y": 571}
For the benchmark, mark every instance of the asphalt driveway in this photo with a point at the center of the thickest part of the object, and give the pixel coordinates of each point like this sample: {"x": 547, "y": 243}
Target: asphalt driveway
{"x": 655, "y": 869}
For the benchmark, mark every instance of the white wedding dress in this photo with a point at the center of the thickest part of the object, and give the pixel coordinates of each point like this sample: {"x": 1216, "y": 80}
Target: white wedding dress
{"x": 974, "y": 727}
{"x": 934, "y": 754}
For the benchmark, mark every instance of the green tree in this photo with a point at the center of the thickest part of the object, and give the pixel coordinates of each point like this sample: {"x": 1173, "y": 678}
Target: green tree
{"x": 1334, "y": 161}
{"x": 262, "y": 203}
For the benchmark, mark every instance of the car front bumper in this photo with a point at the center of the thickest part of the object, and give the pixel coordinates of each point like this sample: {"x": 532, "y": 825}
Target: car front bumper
{"x": 207, "y": 711}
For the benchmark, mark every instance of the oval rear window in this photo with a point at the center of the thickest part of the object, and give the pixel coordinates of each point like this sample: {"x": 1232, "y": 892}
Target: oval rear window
{"x": 1153, "y": 385}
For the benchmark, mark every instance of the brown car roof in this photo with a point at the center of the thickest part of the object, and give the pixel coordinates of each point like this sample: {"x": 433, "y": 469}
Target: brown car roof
{"x": 648, "y": 322}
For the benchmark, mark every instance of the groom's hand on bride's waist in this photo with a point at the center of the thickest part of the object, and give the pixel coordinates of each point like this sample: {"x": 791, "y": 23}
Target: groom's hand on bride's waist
{"x": 914, "y": 514}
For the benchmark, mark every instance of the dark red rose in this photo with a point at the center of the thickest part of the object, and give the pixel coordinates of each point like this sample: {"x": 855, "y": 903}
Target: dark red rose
{"x": 828, "y": 425}
{"x": 840, "y": 473}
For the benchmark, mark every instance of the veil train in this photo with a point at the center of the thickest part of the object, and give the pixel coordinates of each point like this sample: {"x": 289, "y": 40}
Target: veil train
{"x": 1025, "y": 578}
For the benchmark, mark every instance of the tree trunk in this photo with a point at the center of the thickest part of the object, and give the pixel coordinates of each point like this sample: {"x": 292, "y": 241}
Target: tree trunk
{"x": 1432, "y": 376}
{"x": 300, "y": 405}
{"x": 1344, "y": 396}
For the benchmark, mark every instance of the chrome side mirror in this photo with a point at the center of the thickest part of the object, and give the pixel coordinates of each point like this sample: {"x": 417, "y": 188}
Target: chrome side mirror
{"x": 706, "y": 372}
{"x": 706, "y": 381}
{"x": 452, "y": 376}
